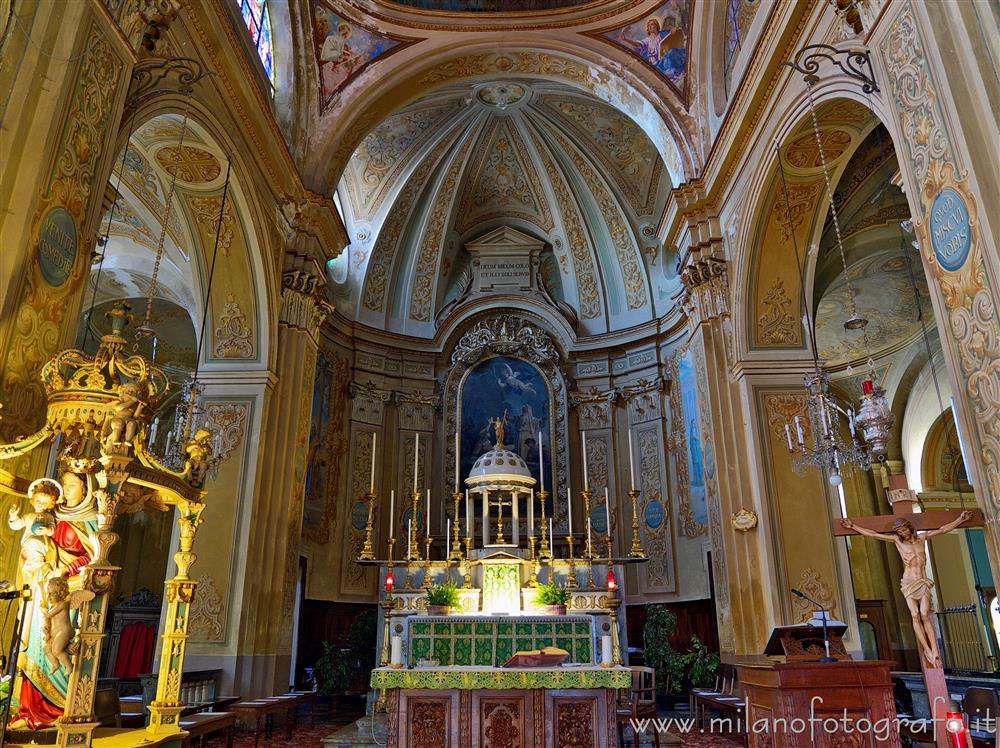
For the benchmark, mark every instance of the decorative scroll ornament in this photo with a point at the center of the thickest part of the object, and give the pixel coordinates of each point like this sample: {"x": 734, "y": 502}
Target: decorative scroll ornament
{"x": 853, "y": 62}
{"x": 155, "y": 76}
{"x": 505, "y": 335}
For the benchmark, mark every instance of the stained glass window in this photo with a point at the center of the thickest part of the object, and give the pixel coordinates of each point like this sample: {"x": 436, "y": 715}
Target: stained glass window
{"x": 258, "y": 20}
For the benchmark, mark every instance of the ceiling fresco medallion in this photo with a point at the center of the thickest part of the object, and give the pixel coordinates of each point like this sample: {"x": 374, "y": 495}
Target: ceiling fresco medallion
{"x": 501, "y": 95}
{"x": 489, "y": 6}
{"x": 660, "y": 39}
{"x": 189, "y": 164}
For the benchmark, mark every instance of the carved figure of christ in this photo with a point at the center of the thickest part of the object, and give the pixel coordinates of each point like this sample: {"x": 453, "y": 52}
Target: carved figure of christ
{"x": 915, "y": 584}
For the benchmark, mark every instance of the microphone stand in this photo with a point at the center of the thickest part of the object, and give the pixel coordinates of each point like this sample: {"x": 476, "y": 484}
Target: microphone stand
{"x": 826, "y": 635}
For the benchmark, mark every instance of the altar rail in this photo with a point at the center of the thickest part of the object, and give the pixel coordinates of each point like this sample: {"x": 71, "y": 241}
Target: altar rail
{"x": 491, "y": 641}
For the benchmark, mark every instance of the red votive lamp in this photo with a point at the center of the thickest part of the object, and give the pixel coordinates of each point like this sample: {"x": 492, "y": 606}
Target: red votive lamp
{"x": 955, "y": 727}
{"x": 612, "y": 584}
{"x": 389, "y": 582}
{"x": 867, "y": 386}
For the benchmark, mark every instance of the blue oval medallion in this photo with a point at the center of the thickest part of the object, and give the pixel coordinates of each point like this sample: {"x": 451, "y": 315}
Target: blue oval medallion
{"x": 951, "y": 231}
{"x": 57, "y": 246}
{"x": 359, "y": 515}
{"x": 599, "y": 520}
{"x": 654, "y": 514}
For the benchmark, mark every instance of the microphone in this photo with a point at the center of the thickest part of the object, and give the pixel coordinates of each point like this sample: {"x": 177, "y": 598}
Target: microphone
{"x": 826, "y": 635}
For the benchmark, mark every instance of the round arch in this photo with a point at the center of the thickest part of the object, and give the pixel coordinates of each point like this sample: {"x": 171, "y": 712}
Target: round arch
{"x": 589, "y": 66}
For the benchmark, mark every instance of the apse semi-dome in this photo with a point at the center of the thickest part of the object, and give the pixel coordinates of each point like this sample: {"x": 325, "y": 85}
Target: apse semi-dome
{"x": 541, "y": 157}
{"x": 498, "y": 467}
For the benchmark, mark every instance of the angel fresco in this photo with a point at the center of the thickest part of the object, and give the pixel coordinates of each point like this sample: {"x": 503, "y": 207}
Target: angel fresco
{"x": 659, "y": 38}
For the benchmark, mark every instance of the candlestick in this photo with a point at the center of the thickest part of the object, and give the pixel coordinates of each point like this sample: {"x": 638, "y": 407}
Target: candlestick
{"x": 468, "y": 561}
{"x": 636, "y": 550}
{"x": 545, "y": 546}
{"x": 371, "y": 482}
{"x": 631, "y": 460}
{"x": 416, "y": 460}
{"x": 613, "y": 605}
{"x": 535, "y": 568}
{"x": 541, "y": 462}
{"x": 368, "y": 551}
{"x": 571, "y": 581}
{"x": 427, "y": 562}
{"x": 456, "y": 546}
{"x": 392, "y": 510}
{"x": 586, "y": 482}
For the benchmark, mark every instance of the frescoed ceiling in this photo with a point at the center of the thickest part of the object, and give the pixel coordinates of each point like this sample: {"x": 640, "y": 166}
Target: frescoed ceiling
{"x": 541, "y": 157}
{"x": 489, "y": 6}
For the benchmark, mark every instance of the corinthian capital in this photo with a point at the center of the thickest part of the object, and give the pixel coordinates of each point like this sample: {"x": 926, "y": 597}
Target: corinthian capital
{"x": 303, "y": 295}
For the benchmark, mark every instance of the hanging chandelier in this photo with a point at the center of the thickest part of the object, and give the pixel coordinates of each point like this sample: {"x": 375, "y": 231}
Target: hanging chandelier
{"x": 828, "y": 448}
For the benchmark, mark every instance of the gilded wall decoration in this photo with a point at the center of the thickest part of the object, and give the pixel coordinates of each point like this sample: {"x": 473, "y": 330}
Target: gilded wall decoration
{"x": 655, "y": 511}
{"x": 233, "y": 336}
{"x": 506, "y": 183}
{"x": 514, "y": 336}
{"x": 229, "y": 421}
{"x": 813, "y": 585}
{"x": 776, "y": 326}
{"x": 327, "y": 446}
{"x": 354, "y": 574}
{"x": 208, "y": 612}
{"x": 949, "y": 236}
{"x": 368, "y": 402}
{"x": 781, "y": 409}
{"x": 594, "y": 408}
{"x": 206, "y": 212}
{"x": 422, "y": 288}
{"x": 416, "y": 410}
{"x": 803, "y": 153}
{"x": 189, "y": 164}
{"x": 643, "y": 400}
{"x": 404, "y": 487}
{"x": 624, "y": 242}
{"x": 789, "y": 213}
{"x": 40, "y": 313}
{"x": 588, "y": 292}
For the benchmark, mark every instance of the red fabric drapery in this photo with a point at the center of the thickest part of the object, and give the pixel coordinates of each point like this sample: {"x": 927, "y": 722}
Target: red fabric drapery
{"x": 135, "y": 650}
{"x": 35, "y": 709}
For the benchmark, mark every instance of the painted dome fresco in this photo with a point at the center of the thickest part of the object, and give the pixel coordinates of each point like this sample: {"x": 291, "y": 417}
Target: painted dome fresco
{"x": 545, "y": 159}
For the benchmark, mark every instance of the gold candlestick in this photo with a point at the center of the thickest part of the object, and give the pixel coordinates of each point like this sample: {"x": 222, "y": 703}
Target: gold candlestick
{"x": 636, "y": 550}
{"x": 368, "y": 552}
{"x": 409, "y": 566}
{"x": 427, "y": 562}
{"x": 456, "y": 544}
{"x": 571, "y": 577}
{"x": 387, "y": 605}
{"x": 468, "y": 560}
{"x": 535, "y": 568}
{"x": 586, "y": 504}
{"x": 544, "y": 548}
{"x": 413, "y": 550}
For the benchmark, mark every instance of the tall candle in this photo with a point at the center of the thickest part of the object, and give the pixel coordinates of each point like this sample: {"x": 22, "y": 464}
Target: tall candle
{"x": 788, "y": 436}
{"x": 409, "y": 537}
{"x": 371, "y": 483}
{"x": 569, "y": 509}
{"x": 541, "y": 461}
{"x": 589, "y": 545}
{"x": 607, "y": 507}
{"x": 456, "y": 461}
{"x": 153, "y": 429}
{"x": 447, "y": 541}
{"x": 397, "y": 651}
{"x": 531, "y": 514}
{"x": 416, "y": 460}
{"x": 799, "y": 432}
{"x": 392, "y": 509}
{"x": 468, "y": 514}
{"x": 428, "y": 512}
{"x": 552, "y": 535}
{"x": 586, "y": 483}
{"x": 631, "y": 460}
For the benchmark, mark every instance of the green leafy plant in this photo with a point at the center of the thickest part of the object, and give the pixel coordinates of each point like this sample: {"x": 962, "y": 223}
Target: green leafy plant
{"x": 334, "y": 671}
{"x": 444, "y": 594}
{"x": 552, "y": 594}
{"x": 701, "y": 664}
{"x": 361, "y": 638}
{"x": 661, "y": 624}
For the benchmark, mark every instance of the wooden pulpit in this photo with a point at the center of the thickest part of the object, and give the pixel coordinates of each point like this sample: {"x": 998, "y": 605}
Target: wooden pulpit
{"x": 802, "y": 643}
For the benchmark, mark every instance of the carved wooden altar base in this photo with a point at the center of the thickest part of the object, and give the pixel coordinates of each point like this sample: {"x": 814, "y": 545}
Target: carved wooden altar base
{"x": 481, "y": 707}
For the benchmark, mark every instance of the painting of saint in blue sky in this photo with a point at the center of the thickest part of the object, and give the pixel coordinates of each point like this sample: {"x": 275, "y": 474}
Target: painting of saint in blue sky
{"x": 696, "y": 461}
{"x": 343, "y": 49}
{"x": 515, "y": 386}
{"x": 660, "y": 39}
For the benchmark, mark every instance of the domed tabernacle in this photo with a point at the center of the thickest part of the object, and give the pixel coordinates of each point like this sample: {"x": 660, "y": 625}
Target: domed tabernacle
{"x": 500, "y": 465}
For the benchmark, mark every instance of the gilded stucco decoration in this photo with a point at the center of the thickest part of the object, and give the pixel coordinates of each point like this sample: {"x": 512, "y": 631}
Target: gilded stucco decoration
{"x": 811, "y": 582}
{"x": 229, "y": 421}
{"x": 949, "y": 236}
{"x": 327, "y": 446}
{"x": 655, "y": 511}
{"x": 233, "y": 336}
{"x": 594, "y": 408}
{"x": 189, "y": 164}
{"x": 776, "y": 325}
{"x": 208, "y": 612}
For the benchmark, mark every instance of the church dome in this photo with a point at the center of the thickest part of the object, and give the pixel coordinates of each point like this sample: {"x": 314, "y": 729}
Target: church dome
{"x": 499, "y": 467}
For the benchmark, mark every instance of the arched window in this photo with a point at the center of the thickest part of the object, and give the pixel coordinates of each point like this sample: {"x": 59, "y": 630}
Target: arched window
{"x": 258, "y": 20}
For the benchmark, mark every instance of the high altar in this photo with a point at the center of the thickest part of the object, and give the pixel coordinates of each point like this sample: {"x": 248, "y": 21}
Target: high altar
{"x": 443, "y": 679}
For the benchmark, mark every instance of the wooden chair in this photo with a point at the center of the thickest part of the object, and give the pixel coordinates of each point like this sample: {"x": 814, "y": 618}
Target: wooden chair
{"x": 981, "y": 708}
{"x": 730, "y": 701}
{"x": 641, "y": 704}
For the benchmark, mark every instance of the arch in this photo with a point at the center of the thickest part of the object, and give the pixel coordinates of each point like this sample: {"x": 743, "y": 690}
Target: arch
{"x": 412, "y": 75}
{"x": 254, "y": 234}
{"x": 780, "y": 318}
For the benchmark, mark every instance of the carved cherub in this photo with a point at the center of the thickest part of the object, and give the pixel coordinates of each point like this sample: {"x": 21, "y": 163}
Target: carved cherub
{"x": 199, "y": 454}
{"x": 58, "y": 630}
{"x": 130, "y": 407}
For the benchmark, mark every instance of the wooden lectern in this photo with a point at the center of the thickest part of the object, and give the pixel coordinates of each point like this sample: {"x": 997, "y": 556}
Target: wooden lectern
{"x": 805, "y": 643}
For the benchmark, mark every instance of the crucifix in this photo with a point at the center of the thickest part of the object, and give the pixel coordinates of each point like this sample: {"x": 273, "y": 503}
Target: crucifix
{"x": 909, "y": 531}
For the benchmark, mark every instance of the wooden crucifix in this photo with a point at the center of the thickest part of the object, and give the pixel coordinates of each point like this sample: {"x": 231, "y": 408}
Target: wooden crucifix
{"x": 909, "y": 531}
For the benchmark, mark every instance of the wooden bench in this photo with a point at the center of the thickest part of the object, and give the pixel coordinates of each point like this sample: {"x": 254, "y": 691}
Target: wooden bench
{"x": 728, "y": 701}
{"x": 261, "y": 714}
{"x": 203, "y": 724}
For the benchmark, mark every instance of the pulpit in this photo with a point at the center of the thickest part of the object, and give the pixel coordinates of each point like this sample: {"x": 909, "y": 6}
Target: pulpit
{"x": 800, "y": 704}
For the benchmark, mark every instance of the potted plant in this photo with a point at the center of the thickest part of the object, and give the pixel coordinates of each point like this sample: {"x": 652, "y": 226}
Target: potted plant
{"x": 701, "y": 664}
{"x": 441, "y": 598}
{"x": 552, "y": 598}
{"x": 333, "y": 672}
{"x": 661, "y": 624}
